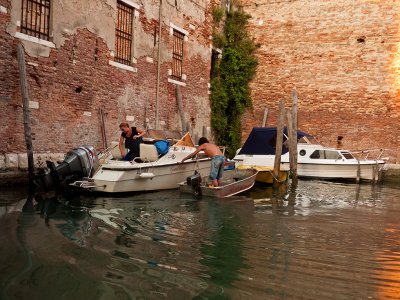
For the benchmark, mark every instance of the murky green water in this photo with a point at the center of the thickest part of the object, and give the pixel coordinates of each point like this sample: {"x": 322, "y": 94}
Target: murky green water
{"x": 323, "y": 241}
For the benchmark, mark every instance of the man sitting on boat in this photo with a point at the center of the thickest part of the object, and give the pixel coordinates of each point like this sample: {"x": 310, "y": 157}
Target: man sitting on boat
{"x": 217, "y": 159}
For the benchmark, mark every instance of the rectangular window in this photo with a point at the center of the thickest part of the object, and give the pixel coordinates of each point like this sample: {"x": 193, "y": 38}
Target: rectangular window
{"x": 35, "y": 20}
{"x": 177, "y": 55}
{"x": 124, "y": 34}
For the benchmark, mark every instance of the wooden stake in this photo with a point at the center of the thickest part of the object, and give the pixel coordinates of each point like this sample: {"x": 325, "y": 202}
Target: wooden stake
{"x": 180, "y": 107}
{"x": 279, "y": 142}
{"x": 290, "y": 135}
{"x": 103, "y": 128}
{"x": 25, "y": 102}
{"x": 294, "y": 135}
{"x": 265, "y": 117}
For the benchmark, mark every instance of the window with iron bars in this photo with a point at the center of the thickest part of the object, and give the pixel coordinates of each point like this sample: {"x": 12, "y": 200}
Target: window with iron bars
{"x": 124, "y": 34}
{"x": 177, "y": 55}
{"x": 35, "y": 18}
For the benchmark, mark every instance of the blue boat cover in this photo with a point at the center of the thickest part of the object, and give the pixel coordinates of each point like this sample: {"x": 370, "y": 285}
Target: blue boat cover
{"x": 162, "y": 146}
{"x": 262, "y": 141}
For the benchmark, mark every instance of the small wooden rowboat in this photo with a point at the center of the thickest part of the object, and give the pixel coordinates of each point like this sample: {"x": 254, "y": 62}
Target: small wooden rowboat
{"x": 233, "y": 182}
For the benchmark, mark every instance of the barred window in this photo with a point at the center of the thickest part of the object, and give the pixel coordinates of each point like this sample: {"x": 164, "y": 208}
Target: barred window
{"x": 124, "y": 34}
{"x": 35, "y": 19}
{"x": 177, "y": 55}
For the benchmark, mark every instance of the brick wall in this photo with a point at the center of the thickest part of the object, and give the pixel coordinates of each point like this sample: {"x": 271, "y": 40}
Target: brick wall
{"x": 75, "y": 79}
{"x": 342, "y": 57}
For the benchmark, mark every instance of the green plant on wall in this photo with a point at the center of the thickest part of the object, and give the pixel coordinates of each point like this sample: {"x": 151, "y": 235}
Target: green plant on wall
{"x": 230, "y": 92}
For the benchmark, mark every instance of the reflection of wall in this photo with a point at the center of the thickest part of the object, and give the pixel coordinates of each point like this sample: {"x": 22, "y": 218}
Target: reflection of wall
{"x": 343, "y": 59}
{"x": 388, "y": 259}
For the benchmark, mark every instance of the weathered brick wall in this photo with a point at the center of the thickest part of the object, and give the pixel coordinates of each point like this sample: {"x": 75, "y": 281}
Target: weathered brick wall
{"x": 75, "y": 79}
{"x": 342, "y": 57}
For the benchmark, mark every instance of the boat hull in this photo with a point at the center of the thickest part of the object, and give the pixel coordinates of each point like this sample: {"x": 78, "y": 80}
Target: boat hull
{"x": 368, "y": 171}
{"x": 146, "y": 177}
{"x": 266, "y": 174}
{"x": 233, "y": 182}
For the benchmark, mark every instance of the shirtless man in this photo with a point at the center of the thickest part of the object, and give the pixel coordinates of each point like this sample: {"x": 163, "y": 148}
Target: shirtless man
{"x": 217, "y": 159}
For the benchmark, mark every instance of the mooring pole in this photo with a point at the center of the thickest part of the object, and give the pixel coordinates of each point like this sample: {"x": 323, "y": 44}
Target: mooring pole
{"x": 290, "y": 137}
{"x": 158, "y": 62}
{"x": 25, "y": 106}
{"x": 279, "y": 142}
{"x": 295, "y": 122}
{"x": 180, "y": 107}
{"x": 265, "y": 117}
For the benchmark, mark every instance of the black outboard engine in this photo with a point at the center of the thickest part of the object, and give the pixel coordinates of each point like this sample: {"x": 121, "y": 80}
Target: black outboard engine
{"x": 78, "y": 163}
{"x": 194, "y": 181}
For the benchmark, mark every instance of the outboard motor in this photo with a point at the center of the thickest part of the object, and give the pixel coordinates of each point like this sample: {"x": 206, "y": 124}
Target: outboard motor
{"x": 78, "y": 163}
{"x": 194, "y": 181}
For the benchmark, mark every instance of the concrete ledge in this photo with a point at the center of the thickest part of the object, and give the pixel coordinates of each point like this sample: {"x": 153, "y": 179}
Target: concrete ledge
{"x": 19, "y": 162}
{"x": 391, "y": 173}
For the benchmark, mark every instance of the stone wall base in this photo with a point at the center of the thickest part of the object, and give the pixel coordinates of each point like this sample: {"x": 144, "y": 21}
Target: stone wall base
{"x": 14, "y": 166}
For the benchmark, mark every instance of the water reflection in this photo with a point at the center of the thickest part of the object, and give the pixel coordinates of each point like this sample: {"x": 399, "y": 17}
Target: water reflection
{"x": 320, "y": 241}
{"x": 387, "y": 273}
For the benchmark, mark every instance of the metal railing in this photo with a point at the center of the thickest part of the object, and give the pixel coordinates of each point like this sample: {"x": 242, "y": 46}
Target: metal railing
{"x": 35, "y": 18}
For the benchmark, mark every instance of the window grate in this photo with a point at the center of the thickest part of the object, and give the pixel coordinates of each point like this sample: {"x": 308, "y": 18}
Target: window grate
{"x": 36, "y": 18}
{"x": 124, "y": 36}
{"x": 177, "y": 55}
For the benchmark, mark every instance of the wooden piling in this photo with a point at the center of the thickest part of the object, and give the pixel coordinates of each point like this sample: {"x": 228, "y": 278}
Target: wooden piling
{"x": 265, "y": 117}
{"x": 279, "y": 142}
{"x": 294, "y": 135}
{"x": 25, "y": 102}
{"x": 290, "y": 135}
{"x": 180, "y": 107}
{"x": 103, "y": 128}
{"x": 358, "y": 177}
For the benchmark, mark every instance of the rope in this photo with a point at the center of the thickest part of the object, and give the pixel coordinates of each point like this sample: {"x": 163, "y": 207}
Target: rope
{"x": 277, "y": 179}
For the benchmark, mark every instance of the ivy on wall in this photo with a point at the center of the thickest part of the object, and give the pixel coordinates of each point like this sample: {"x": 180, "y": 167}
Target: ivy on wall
{"x": 232, "y": 73}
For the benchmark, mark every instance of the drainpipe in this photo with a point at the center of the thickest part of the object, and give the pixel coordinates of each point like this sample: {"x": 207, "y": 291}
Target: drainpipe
{"x": 158, "y": 61}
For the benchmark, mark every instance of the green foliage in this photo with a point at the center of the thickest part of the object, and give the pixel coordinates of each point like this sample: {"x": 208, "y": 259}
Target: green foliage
{"x": 218, "y": 40}
{"x": 230, "y": 92}
{"x": 218, "y": 14}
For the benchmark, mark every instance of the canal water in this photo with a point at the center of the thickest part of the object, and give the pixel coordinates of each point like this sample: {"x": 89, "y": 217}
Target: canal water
{"x": 323, "y": 240}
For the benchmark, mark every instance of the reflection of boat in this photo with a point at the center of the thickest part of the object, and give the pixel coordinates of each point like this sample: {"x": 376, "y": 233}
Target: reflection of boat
{"x": 233, "y": 182}
{"x": 152, "y": 171}
{"x": 314, "y": 160}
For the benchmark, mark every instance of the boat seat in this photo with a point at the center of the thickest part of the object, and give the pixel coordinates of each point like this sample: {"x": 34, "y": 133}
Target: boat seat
{"x": 148, "y": 152}
{"x": 116, "y": 154}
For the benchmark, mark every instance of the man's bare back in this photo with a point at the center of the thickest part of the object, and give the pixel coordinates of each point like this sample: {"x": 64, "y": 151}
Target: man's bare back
{"x": 210, "y": 149}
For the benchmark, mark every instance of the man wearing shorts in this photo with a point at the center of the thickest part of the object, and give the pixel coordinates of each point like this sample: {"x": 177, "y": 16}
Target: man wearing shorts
{"x": 217, "y": 159}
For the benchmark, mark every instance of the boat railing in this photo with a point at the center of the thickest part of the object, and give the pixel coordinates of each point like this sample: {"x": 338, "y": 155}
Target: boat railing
{"x": 160, "y": 134}
{"x": 370, "y": 154}
{"x": 106, "y": 152}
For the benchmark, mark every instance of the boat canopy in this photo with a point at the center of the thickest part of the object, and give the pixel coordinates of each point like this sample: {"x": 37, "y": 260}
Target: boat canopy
{"x": 262, "y": 141}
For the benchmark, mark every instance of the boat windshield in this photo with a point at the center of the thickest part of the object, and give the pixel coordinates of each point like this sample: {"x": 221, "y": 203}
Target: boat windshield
{"x": 325, "y": 154}
{"x": 308, "y": 140}
{"x": 347, "y": 155}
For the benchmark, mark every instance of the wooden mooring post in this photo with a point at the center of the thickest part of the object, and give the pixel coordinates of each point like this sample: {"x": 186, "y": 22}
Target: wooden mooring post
{"x": 265, "y": 117}
{"x": 180, "y": 107}
{"x": 25, "y": 106}
{"x": 292, "y": 134}
{"x": 279, "y": 143}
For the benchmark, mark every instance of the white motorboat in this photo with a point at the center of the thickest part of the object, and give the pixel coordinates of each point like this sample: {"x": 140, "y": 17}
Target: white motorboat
{"x": 151, "y": 171}
{"x": 314, "y": 160}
